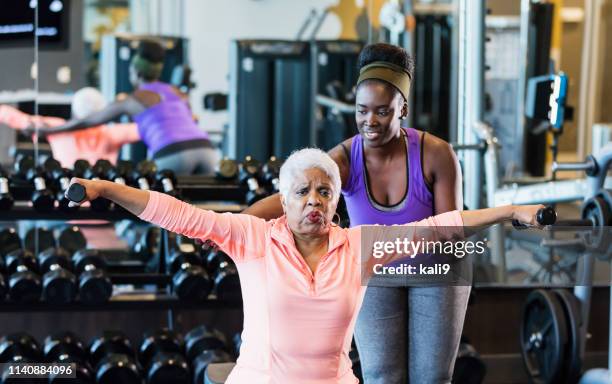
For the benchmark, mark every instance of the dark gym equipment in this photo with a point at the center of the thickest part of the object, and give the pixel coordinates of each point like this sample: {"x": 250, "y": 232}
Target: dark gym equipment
{"x": 23, "y": 162}
{"x": 225, "y": 275}
{"x": 190, "y": 281}
{"x": 165, "y": 182}
{"x": 72, "y": 239}
{"x": 148, "y": 245}
{"x": 38, "y": 239}
{"x": 144, "y": 175}
{"x": 17, "y": 347}
{"x": 9, "y": 241}
{"x": 203, "y": 346}
{"x": 24, "y": 285}
{"x": 544, "y": 335}
{"x": 249, "y": 176}
{"x": 99, "y": 172}
{"x": 62, "y": 180}
{"x": 79, "y": 168}
{"x": 120, "y": 174}
{"x": 270, "y": 82}
{"x": 571, "y": 308}
{"x": 112, "y": 357}
{"x": 227, "y": 169}
{"x": 469, "y": 367}
{"x": 215, "y": 101}
{"x": 6, "y": 200}
{"x": 76, "y": 193}
{"x": 58, "y": 282}
{"x": 160, "y": 355}
{"x": 271, "y": 172}
{"x": 42, "y": 198}
{"x": 597, "y": 213}
{"x": 95, "y": 287}
{"x": 66, "y": 347}
{"x": 544, "y": 216}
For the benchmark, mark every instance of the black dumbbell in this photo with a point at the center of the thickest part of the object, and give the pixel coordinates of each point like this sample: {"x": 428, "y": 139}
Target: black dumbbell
{"x": 6, "y": 199}
{"x": 224, "y": 274}
{"x": 190, "y": 281}
{"x": 79, "y": 168}
{"x": 9, "y": 241}
{"x": 42, "y": 198}
{"x": 544, "y": 216}
{"x": 71, "y": 239}
{"x": 112, "y": 357}
{"x": 18, "y": 348}
{"x": 99, "y": 171}
{"x": 24, "y": 283}
{"x": 62, "y": 181}
{"x": 165, "y": 182}
{"x": 95, "y": 286}
{"x": 120, "y": 174}
{"x": 227, "y": 169}
{"x": 49, "y": 165}
{"x": 160, "y": 355}
{"x": 38, "y": 239}
{"x": 204, "y": 346}
{"x": 144, "y": 175}
{"x": 58, "y": 282}
{"x": 249, "y": 176}
{"x": 23, "y": 162}
{"x": 271, "y": 172}
{"x": 147, "y": 245}
{"x": 66, "y": 347}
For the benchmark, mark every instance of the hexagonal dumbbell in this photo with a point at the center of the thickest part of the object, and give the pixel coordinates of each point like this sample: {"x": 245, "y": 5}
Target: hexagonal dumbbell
{"x": 95, "y": 286}
{"x": 204, "y": 346}
{"x": 190, "y": 281}
{"x": 112, "y": 357}
{"x": 59, "y": 284}
{"x": 24, "y": 283}
{"x": 224, "y": 274}
{"x": 161, "y": 356}
{"x": 66, "y": 347}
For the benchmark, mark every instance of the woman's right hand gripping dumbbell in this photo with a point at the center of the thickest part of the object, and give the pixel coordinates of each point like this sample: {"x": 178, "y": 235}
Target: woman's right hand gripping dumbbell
{"x": 82, "y": 190}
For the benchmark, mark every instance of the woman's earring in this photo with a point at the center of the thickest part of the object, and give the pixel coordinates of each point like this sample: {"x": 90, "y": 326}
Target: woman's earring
{"x": 334, "y": 223}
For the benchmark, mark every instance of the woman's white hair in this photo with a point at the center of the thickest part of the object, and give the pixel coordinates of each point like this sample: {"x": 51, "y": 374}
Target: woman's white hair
{"x": 87, "y": 101}
{"x": 303, "y": 159}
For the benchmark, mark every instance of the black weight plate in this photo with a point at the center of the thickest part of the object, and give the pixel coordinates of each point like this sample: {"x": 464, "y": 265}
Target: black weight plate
{"x": 544, "y": 336}
{"x": 573, "y": 316}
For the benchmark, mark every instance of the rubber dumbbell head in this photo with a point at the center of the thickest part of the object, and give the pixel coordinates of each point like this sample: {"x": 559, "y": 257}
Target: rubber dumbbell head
{"x": 23, "y": 163}
{"x": 203, "y": 338}
{"x": 144, "y": 175}
{"x": 62, "y": 181}
{"x": 190, "y": 281}
{"x": 66, "y": 347}
{"x": 79, "y": 168}
{"x": 225, "y": 276}
{"x": 271, "y": 172}
{"x": 39, "y": 239}
{"x": 160, "y": 354}
{"x": 59, "y": 284}
{"x": 112, "y": 356}
{"x": 42, "y": 198}
{"x": 95, "y": 287}
{"x": 6, "y": 199}
{"x": 206, "y": 358}
{"x": 165, "y": 182}
{"x": 227, "y": 169}
{"x": 9, "y": 241}
{"x": 24, "y": 283}
{"x": 19, "y": 344}
{"x": 72, "y": 239}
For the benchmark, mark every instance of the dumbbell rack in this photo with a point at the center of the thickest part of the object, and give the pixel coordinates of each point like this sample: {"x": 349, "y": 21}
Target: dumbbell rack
{"x": 191, "y": 188}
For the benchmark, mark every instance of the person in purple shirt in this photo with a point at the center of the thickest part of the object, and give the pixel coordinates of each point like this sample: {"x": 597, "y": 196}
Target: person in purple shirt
{"x": 165, "y": 123}
{"x": 392, "y": 174}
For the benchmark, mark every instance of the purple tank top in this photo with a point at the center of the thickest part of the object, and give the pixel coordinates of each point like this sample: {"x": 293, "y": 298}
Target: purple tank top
{"x": 417, "y": 203}
{"x": 167, "y": 122}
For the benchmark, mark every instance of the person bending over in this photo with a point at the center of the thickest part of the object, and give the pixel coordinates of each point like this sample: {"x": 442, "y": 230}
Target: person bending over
{"x": 101, "y": 142}
{"x": 165, "y": 123}
{"x": 300, "y": 275}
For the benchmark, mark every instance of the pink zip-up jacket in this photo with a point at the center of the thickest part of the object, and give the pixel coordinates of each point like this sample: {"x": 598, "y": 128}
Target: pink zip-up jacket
{"x": 298, "y": 326}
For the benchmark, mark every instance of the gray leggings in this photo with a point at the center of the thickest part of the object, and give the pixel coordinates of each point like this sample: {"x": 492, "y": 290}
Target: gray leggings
{"x": 196, "y": 161}
{"x": 410, "y": 334}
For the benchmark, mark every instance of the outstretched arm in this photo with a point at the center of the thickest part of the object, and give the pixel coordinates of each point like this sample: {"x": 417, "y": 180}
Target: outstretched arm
{"x": 111, "y": 112}
{"x": 240, "y": 236}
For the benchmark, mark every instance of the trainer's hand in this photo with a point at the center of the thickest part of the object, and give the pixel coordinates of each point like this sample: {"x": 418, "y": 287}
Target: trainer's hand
{"x": 93, "y": 190}
{"x": 526, "y": 214}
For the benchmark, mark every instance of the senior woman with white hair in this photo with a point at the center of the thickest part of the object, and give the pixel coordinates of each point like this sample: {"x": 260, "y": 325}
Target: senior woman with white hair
{"x": 300, "y": 274}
